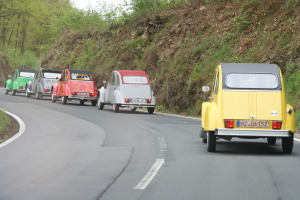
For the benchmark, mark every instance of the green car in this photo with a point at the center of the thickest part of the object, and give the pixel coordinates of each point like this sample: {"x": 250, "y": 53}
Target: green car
{"x": 17, "y": 83}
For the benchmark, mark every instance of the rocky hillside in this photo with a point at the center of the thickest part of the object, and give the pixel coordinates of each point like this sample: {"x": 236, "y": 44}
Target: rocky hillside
{"x": 4, "y": 70}
{"x": 180, "y": 47}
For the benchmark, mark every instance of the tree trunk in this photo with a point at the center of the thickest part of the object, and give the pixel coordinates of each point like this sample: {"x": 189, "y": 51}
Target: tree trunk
{"x": 10, "y": 35}
{"x": 17, "y": 34}
{"x": 3, "y": 33}
{"x": 24, "y": 31}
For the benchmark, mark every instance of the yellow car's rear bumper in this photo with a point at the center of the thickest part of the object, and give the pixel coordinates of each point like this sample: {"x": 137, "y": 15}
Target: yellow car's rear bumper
{"x": 252, "y": 133}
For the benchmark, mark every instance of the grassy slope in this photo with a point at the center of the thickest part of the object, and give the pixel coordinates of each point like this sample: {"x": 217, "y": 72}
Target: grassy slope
{"x": 179, "y": 48}
{"x": 3, "y": 121}
{"x": 3, "y": 125}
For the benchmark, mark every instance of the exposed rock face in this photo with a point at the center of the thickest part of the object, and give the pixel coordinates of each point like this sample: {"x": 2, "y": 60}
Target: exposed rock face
{"x": 4, "y": 70}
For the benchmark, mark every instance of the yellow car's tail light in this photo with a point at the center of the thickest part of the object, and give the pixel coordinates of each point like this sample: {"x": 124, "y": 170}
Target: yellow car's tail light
{"x": 229, "y": 123}
{"x": 276, "y": 124}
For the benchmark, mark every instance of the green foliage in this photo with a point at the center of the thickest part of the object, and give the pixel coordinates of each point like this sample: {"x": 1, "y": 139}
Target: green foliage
{"x": 242, "y": 23}
{"x": 83, "y": 21}
{"x": 290, "y": 4}
{"x": 3, "y": 121}
{"x": 16, "y": 59}
{"x": 292, "y": 83}
{"x": 135, "y": 46}
{"x": 151, "y": 7}
{"x": 201, "y": 48}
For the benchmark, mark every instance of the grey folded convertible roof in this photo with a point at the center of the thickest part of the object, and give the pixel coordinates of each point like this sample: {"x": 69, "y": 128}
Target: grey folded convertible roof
{"x": 26, "y": 70}
{"x": 80, "y": 71}
{"x": 50, "y": 70}
{"x": 245, "y": 68}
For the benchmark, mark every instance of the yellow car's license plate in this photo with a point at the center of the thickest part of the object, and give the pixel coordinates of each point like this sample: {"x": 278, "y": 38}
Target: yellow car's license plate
{"x": 252, "y": 124}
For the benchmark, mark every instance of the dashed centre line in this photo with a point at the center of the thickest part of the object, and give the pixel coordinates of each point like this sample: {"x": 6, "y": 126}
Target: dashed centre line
{"x": 150, "y": 175}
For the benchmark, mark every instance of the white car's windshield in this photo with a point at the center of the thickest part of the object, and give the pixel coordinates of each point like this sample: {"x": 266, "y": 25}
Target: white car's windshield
{"x": 135, "y": 79}
{"x": 27, "y": 74}
{"x": 252, "y": 81}
{"x": 52, "y": 75}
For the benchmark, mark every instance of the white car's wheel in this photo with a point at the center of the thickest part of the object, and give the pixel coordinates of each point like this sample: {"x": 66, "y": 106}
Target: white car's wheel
{"x": 133, "y": 109}
{"x": 150, "y": 110}
{"x": 37, "y": 95}
{"x": 100, "y": 105}
{"x": 116, "y": 108}
{"x": 27, "y": 94}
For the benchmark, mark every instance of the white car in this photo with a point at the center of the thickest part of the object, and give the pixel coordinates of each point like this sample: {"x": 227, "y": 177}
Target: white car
{"x": 127, "y": 88}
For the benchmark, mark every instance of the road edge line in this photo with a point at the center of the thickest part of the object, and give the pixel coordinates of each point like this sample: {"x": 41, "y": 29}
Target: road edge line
{"x": 150, "y": 175}
{"x": 21, "y": 130}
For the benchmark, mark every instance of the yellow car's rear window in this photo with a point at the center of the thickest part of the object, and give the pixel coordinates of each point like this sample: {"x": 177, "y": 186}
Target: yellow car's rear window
{"x": 252, "y": 81}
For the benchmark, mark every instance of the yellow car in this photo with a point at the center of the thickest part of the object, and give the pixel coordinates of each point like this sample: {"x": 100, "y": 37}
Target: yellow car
{"x": 247, "y": 101}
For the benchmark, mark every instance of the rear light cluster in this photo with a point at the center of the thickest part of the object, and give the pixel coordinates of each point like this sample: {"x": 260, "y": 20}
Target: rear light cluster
{"x": 21, "y": 87}
{"x": 46, "y": 90}
{"x": 127, "y": 100}
{"x": 276, "y": 124}
{"x": 91, "y": 94}
{"x": 73, "y": 93}
{"x": 229, "y": 123}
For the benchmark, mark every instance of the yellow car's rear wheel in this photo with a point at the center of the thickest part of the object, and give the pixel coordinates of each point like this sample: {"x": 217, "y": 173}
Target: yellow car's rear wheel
{"x": 211, "y": 141}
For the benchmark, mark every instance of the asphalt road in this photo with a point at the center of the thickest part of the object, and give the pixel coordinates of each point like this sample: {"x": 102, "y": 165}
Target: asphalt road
{"x": 71, "y": 152}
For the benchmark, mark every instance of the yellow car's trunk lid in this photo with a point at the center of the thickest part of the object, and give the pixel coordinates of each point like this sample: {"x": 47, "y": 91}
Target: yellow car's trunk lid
{"x": 254, "y": 105}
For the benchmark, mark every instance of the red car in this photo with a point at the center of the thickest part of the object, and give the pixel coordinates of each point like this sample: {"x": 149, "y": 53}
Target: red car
{"x": 75, "y": 84}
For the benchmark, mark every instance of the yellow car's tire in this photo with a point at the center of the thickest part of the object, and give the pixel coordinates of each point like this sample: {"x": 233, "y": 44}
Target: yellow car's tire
{"x": 287, "y": 144}
{"x": 211, "y": 141}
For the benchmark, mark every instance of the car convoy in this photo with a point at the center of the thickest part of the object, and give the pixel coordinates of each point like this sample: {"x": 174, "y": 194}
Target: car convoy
{"x": 246, "y": 100}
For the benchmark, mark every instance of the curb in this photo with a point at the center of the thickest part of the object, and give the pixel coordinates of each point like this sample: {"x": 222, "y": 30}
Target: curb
{"x": 21, "y": 130}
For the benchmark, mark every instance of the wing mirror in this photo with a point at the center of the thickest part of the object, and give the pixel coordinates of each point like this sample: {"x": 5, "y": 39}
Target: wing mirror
{"x": 205, "y": 89}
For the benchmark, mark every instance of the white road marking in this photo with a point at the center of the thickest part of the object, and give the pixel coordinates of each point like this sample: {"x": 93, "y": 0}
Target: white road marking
{"x": 150, "y": 175}
{"x": 297, "y": 139}
{"x": 21, "y": 130}
{"x": 162, "y": 141}
{"x": 162, "y": 144}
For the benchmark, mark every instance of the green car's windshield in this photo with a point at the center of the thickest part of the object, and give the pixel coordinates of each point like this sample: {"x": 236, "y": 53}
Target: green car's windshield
{"x": 27, "y": 74}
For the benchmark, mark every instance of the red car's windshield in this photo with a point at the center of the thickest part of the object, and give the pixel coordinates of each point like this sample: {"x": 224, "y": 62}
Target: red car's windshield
{"x": 81, "y": 76}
